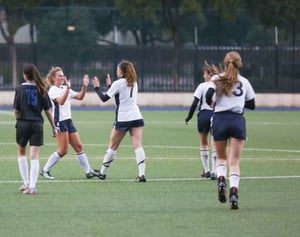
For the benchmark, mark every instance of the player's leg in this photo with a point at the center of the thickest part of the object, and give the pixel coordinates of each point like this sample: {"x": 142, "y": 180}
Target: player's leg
{"x": 213, "y": 174}
{"x": 221, "y": 149}
{"x": 62, "y": 141}
{"x": 34, "y": 170}
{"x": 204, "y": 154}
{"x": 236, "y": 147}
{"x": 116, "y": 137}
{"x": 136, "y": 134}
{"x": 75, "y": 142}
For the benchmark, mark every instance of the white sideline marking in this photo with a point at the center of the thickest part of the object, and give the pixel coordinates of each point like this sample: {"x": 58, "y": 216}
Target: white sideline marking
{"x": 99, "y": 158}
{"x": 148, "y": 180}
{"x": 168, "y": 147}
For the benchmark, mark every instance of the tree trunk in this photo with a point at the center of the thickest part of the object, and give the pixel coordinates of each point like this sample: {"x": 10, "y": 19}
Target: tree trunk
{"x": 175, "y": 62}
{"x": 13, "y": 60}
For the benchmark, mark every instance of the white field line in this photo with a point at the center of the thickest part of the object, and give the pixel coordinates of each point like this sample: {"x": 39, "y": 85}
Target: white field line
{"x": 168, "y": 147}
{"x": 150, "y": 180}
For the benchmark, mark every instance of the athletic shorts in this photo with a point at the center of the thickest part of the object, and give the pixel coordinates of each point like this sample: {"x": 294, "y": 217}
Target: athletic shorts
{"x": 126, "y": 126}
{"x": 228, "y": 124}
{"x": 66, "y": 126}
{"x": 29, "y": 131}
{"x": 204, "y": 121}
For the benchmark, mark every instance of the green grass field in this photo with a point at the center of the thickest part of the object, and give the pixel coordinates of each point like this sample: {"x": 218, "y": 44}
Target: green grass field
{"x": 175, "y": 201}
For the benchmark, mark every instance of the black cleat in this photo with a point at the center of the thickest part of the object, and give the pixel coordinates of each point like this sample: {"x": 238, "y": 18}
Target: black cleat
{"x": 140, "y": 179}
{"x": 233, "y": 198}
{"x": 92, "y": 174}
{"x": 213, "y": 176}
{"x": 101, "y": 176}
{"x": 205, "y": 175}
{"x": 46, "y": 174}
{"x": 222, "y": 189}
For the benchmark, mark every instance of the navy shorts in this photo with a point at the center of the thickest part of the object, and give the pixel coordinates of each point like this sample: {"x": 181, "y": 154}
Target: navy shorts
{"x": 204, "y": 121}
{"x": 29, "y": 131}
{"x": 126, "y": 126}
{"x": 228, "y": 124}
{"x": 66, "y": 126}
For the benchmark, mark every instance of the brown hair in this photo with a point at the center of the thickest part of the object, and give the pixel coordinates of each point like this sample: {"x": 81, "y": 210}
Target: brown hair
{"x": 210, "y": 68}
{"x": 32, "y": 74}
{"x": 51, "y": 74}
{"x": 128, "y": 72}
{"x": 232, "y": 63}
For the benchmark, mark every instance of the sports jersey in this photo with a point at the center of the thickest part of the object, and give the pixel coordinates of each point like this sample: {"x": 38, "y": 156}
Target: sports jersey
{"x": 242, "y": 91}
{"x": 61, "y": 112}
{"x": 30, "y": 103}
{"x": 126, "y": 100}
{"x": 200, "y": 94}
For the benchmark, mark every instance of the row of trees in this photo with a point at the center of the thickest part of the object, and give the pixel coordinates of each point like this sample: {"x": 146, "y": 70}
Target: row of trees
{"x": 171, "y": 22}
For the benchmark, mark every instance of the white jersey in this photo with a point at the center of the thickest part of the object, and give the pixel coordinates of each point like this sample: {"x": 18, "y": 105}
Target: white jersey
{"x": 61, "y": 112}
{"x": 200, "y": 94}
{"x": 242, "y": 91}
{"x": 126, "y": 100}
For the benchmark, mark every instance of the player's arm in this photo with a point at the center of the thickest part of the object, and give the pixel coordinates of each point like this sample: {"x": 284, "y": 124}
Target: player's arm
{"x": 103, "y": 96}
{"x": 85, "y": 82}
{"x": 209, "y": 95}
{"x": 17, "y": 112}
{"x": 192, "y": 110}
{"x": 250, "y": 104}
{"x": 51, "y": 121}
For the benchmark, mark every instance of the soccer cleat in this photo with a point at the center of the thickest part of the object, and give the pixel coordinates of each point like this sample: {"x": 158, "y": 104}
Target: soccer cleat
{"x": 92, "y": 174}
{"x": 205, "y": 175}
{"x": 222, "y": 189}
{"x": 233, "y": 198}
{"x": 140, "y": 179}
{"x": 213, "y": 176}
{"x": 30, "y": 191}
{"x": 101, "y": 176}
{"x": 46, "y": 175}
{"x": 23, "y": 187}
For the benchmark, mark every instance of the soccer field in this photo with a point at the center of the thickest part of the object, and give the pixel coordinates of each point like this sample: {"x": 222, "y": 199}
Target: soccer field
{"x": 174, "y": 201}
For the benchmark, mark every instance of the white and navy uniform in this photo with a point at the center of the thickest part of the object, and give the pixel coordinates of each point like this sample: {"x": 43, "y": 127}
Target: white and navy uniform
{"x": 62, "y": 113}
{"x": 205, "y": 112}
{"x": 228, "y": 120}
{"x": 128, "y": 114}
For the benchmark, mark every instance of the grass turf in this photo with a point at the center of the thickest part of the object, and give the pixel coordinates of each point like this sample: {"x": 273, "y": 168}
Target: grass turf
{"x": 174, "y": 201}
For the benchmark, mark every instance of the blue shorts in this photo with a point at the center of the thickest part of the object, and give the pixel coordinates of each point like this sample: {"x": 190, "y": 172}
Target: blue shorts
{"x": 228, "y": 124}
{"x": 126, "y": 126}
{"x": 29, "y": 131}
{"x": 66, "y": 126}
{"x": 204, "y": 121}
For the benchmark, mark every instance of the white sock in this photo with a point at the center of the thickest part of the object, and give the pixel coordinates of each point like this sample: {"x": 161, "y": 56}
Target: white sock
{"x": 221, "y": 171}
{"x": 204, "y": 158}
{"x": 107, "y": 160}
{"x": 213, "y": 161}
{"x": 23, "y": 168}
{"x": 140, "y": 160}
{"x": 84, "y": 162}
{"x": 53, "y": 159}
{"x": 34, "y": 172}
{"x": 234, "y": 180}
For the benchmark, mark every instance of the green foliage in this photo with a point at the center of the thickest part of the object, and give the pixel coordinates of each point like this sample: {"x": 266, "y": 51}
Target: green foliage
{"x": 53, "y": 31}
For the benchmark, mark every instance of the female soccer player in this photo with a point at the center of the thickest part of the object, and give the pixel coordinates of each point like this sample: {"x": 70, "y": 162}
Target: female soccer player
{"x": 30, "y": 100}
{"x": 204, "y": 119}
{"x": 128, "y": 117}
{"x": 61, "y": 94}
{"x": 233, "y": 92}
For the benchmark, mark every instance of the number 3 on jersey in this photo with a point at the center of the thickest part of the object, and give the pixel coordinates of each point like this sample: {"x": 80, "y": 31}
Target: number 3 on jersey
{"x": 239, "y": 90}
